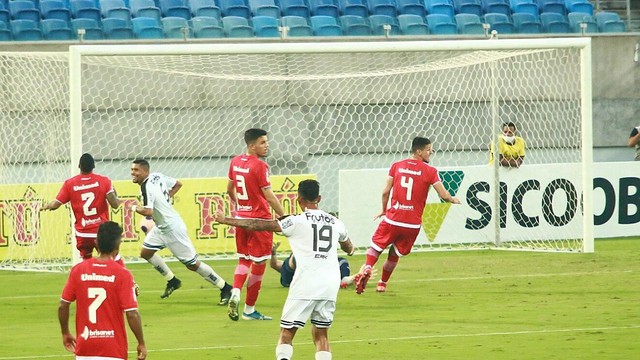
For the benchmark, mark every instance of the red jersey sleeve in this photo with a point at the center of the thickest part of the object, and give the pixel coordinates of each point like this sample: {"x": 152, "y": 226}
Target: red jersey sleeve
{"x": 126, "y": 292}
{"x": 392, "y": 170}
{"x": 435, "y": 177}
{"x": 107, "y": 185}
{"x": 263, "y": 175}
{"x": 230, "y": 174}
{"x": 63, "y": 194}
{"x": 69, "y": 291}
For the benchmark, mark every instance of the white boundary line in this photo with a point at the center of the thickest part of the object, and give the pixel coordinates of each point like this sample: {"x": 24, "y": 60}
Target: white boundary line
{"x": 422, "y": 337}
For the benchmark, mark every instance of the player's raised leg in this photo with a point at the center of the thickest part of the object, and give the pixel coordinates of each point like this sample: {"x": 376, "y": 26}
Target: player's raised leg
{"x": 158, "y": 263}
{"x": 260, "y": 245}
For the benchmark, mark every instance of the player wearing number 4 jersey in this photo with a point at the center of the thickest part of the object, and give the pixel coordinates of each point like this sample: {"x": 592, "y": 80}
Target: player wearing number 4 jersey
{"x": 88, "y": 194}
{"x": 314, "y": 236}
{"x": 103, "y": 290}
{"x": 410, "y": 180}
{"x": 250, "y": 195}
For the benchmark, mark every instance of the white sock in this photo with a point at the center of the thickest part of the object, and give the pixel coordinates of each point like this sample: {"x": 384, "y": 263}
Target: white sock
{"x": 209, "y": 275}
{"x": 284, "y": 352}
{"x": 249, "y": 309}
{"x": 159, "y": 264}
{"x": 323, "y": 355}
{"x": 235, "y": 292}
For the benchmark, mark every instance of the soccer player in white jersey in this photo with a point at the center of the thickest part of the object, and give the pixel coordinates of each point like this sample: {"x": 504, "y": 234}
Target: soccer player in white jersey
{"x": 169, "y": 230}
{"x": 314, "y": 236}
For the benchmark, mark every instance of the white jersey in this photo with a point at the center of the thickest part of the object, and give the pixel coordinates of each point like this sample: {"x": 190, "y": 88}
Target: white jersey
{"x": 155, "y": 195}
{"x": 314, "y": 237}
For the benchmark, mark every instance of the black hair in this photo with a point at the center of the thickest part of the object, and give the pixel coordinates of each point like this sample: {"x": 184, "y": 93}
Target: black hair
{"x": 309, "y": 189}
{"x": 419, "y": 143}
{"x": 142, "y": 162}
{"x": 510, "y": 124}
{"x": 109, "y": 234}
{"x": 251, "y": 135}
{"x": 87, "y": 164}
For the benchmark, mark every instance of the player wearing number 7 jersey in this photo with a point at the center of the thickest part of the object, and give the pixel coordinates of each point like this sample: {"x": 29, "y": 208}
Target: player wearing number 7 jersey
{"x": 314, "y": 236}
{"x": 103, "y": 290}
{"x": 401, "y": 221}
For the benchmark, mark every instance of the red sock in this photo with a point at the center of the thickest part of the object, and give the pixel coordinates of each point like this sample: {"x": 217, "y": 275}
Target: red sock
{"x": 372, "y": 257}
{"x": 255, "y": 282}
{"x": 242, "y": 270}
{"x": 389, "y": 266}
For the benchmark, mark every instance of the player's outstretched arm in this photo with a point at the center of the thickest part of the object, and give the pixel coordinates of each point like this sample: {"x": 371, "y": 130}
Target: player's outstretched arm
{"x": 68, "y": 340}
{"x": 249, "y": 224}
{"x": 52, "y": 205}
{"x": 347, "y": 246}
{"x": 141, "y": 210}
{"x": 113, "y": 200}
{"x": 273, "y": 201}
{"x": 273, "y": 261}
{"x": 444, "y": 194}
{"x": 135, "y": 323}
{"x": 175, "y": 188}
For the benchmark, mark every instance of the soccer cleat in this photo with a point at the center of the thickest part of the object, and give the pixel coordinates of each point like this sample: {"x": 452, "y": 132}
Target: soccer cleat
{"x": 234, "y": 301}
{"x": 255, "y": 316}
{"x": 361, "y": 280}
{"x": 172, "y": 285}
{"x": 382, "y": 286}
{"x": 225, "y": 295}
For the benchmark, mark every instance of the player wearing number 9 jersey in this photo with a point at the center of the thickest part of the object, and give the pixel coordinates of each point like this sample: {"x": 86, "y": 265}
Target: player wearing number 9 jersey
{"x": 410, "y": 180}
{"x": 88, "y": 193}
{"x": 314, "y": 237}
{"x": 103, "y": 290}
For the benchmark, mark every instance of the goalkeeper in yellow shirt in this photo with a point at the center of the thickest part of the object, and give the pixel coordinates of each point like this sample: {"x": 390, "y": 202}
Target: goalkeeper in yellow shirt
{"x": 510, "y": 147}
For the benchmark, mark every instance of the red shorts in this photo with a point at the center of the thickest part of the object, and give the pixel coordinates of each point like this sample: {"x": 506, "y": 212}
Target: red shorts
{"x": 254, "y": 245}
{"x": 85, "y": 245}
{"x": 401, "y": 238}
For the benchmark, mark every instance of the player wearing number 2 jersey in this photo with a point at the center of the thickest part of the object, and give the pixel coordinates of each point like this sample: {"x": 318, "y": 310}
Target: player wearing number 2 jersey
{"x": 103, "y": 290}
{"x": 314, "y": 237}
{"x": 410, "y": 180}
{"x": 88, "y": 194}
{"x": 250, "y": 195}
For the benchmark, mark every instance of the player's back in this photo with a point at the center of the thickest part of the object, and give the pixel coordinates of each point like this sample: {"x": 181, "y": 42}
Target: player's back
{"x": 314, "y": 236}
{"x": 411, "y": 181}
{"x": 87, "y": 195}
{"x": 155, "y": 195}
{"x": 250, "y": 175}
{"x": 103, "y": 290}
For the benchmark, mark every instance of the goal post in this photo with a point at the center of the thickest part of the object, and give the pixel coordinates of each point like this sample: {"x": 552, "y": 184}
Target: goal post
{"x": 327, "y": 107}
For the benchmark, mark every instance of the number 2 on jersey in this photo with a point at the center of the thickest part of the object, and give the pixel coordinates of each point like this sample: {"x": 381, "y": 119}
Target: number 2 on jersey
{"x": 242, "y": 188}
{"x": 100, "y": 295}
{"x": 407, "y": 183}
{"x": 88, "y": 198}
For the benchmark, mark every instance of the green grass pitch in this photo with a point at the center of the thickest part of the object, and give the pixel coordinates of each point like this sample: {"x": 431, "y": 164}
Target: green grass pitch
{"x": 439, "y": 305}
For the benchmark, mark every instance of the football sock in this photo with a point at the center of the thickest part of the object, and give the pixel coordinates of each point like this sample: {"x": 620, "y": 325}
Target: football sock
{"x": 255, "y": 282}
{"x": 242, "y": 270}
{"x": 284, "y": 352}
{"x": 235, "y": 292}
{"x": 159, "y": 264}
{"x": 209, "y": 275}
{"x": 323, "y": 355}
{"x": 372, "y": 256}
{"x": 389, "y": 266}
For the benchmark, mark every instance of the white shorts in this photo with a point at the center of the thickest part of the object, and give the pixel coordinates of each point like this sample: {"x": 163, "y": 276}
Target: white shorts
{"x": 296, "y": 313}
{"x": 177, "y": 241}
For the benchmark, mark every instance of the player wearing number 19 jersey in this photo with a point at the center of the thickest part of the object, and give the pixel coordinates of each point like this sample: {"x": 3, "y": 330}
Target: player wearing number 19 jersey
{"x": 410, "y": 180}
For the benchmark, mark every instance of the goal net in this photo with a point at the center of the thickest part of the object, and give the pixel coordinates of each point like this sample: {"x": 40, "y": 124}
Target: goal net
{"x": 339, "y": 112}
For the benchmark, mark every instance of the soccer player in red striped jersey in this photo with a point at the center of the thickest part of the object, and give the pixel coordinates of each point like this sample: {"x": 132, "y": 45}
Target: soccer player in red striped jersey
{"x": 103, "y": 290}
{"x": 90, "y": 196}
{"x": 410, "y": 180}
{"x": 250, "y": 195}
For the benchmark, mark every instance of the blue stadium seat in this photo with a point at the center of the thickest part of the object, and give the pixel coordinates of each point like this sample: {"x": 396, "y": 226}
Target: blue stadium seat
{"x": 526, "y": 23}
{"x": 525, "y": 6}
{"x": 117, "y": 29}
{"x": 264, "y": 8}
{"x": 323, "y": 25}
{"x": 469, "y": 24}
{"x": 324, "y": 8}
{"x": 91, "y": 27}
{"x": 412, "y": 7}
{"x": 440, "y": 24}
{"x": 496, "y": 7}
{"x": 145, "y": 8}
{"x": 147, "y": 28}
{"x": 468, "y": 7}
{"x": 552, "y": 6}
{"x": 353, "y": 7}
{"x": 609, "y": 22}
{"x": 411, "y": 24}
{"x": 85, "y": 9}
{"x": 5, "y": 16}
{"x": 265, "y": 26}
{"x": 175, "y": 8}
{"x": 235, "y": 8}
{"x": 442, "y": 7}
{"x": 56, "y": 29}
{"x": 576, "y": 18}
{"x": 554, "y": 23}
{"x": 54, "y": 9}
{"x": 5, "y": 33}
{"x": 206, "y": 8}
{"x": 297, "y": 25}
{"x": 237, "y": 27}
{"x": 377, "y": 22}
{"x": 295, "y": 8}
{"x": 579, "y": 6}
{"x": 353, "y": 25}
{"x": 206, "y": 27}
{"x": 24, "y": 10}
{"x": 175, "y": 27}
{"x": 500, "y": 23}
{"x": 382, "y": 7}
{"x": 115, "y": 9}
{"x": 25, "y": 30}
